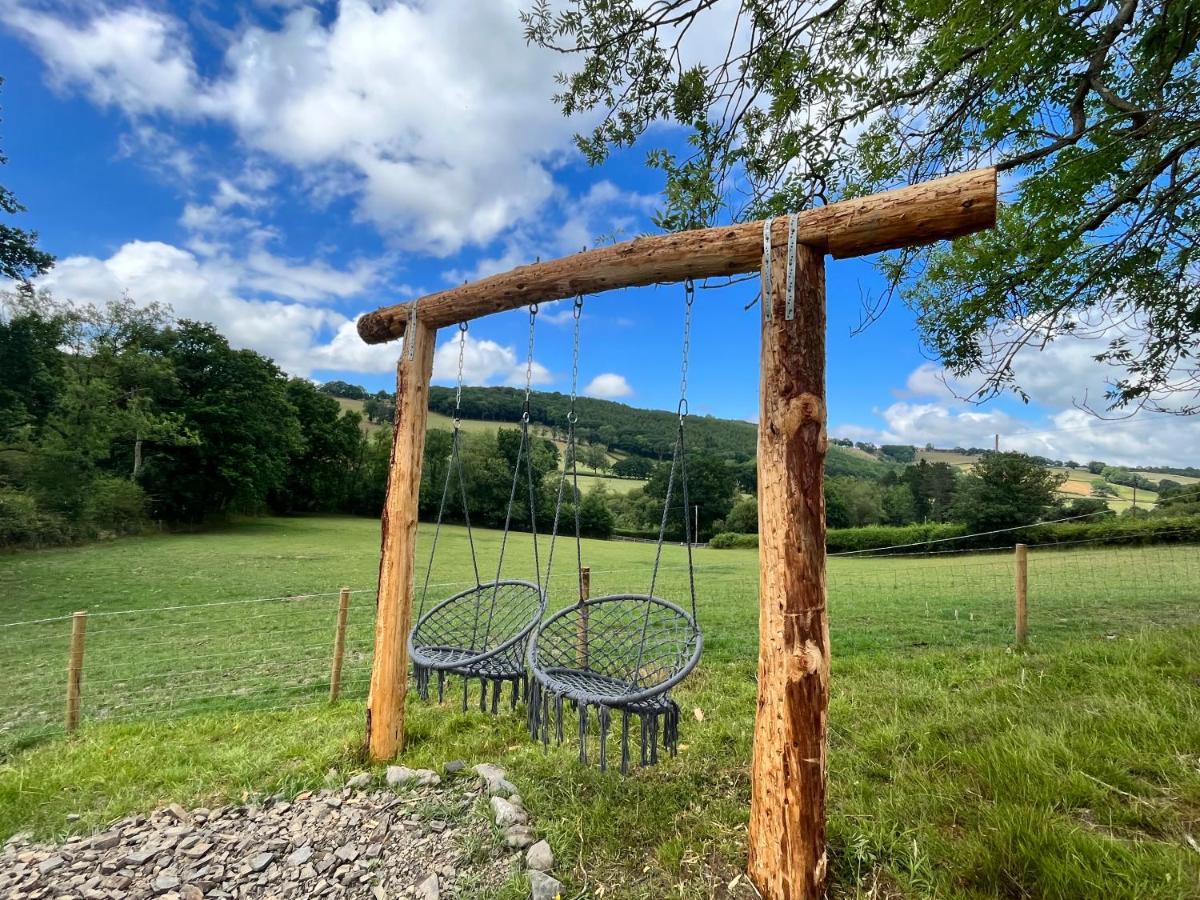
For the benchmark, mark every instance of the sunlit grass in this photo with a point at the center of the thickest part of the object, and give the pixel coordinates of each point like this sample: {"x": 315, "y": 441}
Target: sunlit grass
{"x": 958, "y": 766}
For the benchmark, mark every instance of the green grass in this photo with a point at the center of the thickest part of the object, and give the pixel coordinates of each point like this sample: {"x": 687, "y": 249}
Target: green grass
{"x": 958, "y": 767}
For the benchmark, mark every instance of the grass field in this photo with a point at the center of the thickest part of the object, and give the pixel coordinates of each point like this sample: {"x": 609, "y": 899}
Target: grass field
{"x": 958, "y": 767}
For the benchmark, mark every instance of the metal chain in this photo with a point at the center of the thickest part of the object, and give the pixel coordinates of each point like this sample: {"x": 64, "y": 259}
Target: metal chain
{"x": 689, "y": 287}
{"x": 462, "y": 346}
{"x": 577, "y": 312}
{"x": 533, "y": 311}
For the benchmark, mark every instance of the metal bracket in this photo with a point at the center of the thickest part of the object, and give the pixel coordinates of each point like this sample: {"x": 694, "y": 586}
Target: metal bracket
{"x": 410, "y": 336}
{"x": 793, "y": 227}
{"x": 766, "y": 271}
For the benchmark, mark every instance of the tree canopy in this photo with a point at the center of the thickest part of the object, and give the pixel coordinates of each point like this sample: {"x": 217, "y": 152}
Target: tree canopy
{"x": 20, "y": 258}
{"x": 1090, "y": 110}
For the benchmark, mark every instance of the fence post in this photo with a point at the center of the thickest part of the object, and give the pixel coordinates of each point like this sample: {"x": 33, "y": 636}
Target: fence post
{"x": 75, "y": 668}
{"x": 1022, "y": 556}
{"x": 339, "y": 645}
{"x": 581, "y": 638}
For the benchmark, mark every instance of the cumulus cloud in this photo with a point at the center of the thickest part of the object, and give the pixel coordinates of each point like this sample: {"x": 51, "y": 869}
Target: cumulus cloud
{"x": 300, "y": 336}
{"x": 608, "y": 386}
{"x": 1059, "y": 379}
{"x": 435, "y": 116}
{"x": 485, "y": 362}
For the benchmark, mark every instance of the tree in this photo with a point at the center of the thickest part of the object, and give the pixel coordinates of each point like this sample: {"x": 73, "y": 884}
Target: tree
{"x": 899, "y": 505}
{"x": 236, "y": 402}
{"x": 933, "y": 487}
{"x": 20, "y": 259}
{"x": 743, "y": 518}
{"x": 322, "y": 462}
{"x": 595, "y": 458}
{"x": 1093, "y": 110}
{"x": 852, "y": 502}
{"x": 712, "y": 487}
{"x": 899, "y": 452}
{"x": 633, "y": 467}
{"x": 1005, "y": 490}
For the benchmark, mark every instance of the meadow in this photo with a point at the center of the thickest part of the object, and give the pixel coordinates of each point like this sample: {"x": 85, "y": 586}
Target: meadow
{"x": 959, "y": 766}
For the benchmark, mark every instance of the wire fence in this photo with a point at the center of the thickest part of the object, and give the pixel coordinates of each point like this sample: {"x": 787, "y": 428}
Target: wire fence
{"x": 278, "y": 652}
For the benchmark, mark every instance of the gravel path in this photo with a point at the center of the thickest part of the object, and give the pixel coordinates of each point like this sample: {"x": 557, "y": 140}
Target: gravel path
{"x": 421, "y": 837}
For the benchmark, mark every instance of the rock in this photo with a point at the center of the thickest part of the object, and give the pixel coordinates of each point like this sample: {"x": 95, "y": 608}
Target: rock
{"x": 360, "y": 781}
{"x": 428, "y": 889}
{"x": 300, "y": 856}
{"x": 191, "y": 892}
{"x": 505, "y": 814}
{"x": 454, "y": 767}
{"x": 167, "y": 881}
{"x": 494, "y": 780}
{"x": 261, "y": 861}
{"x": 543, "y": 887}
{"x": 398, "y": 776}
{"x": 437, "y": 826}
{"x": 346, "y": 853}
{"x": 518, "y": 837}
{"x": 143, "y": 856}
{"x": 47, "y": 866}
{"x": 540, "y": 857}
{"x": 178, "y": 813}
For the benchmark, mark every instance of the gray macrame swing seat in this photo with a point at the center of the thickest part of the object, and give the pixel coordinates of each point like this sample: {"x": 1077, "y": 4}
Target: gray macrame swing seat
{"x": 481, "y": 634}
{"x": 620, "y": 654}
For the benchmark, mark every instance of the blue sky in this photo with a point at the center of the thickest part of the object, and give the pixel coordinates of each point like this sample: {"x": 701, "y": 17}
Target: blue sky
{"x": 279, "y": 168}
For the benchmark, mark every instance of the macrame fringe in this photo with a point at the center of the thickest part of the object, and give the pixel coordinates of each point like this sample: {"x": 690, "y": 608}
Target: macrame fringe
{"x": 659, "y": 722}
{"x": 519, "y": 687}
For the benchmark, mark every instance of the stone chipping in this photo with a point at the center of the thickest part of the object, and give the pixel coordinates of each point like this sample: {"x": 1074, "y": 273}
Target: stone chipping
{"x": 421, "y": 837}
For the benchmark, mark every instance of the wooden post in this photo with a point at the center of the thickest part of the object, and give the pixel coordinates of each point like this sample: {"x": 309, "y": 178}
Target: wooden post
{"x": 393, "y": 607}
{"x": 75, "y": 669}
{"x": 787, "y": 794}
{"x": 339, "y": 645}
{"x": 581, "y": 638}
{"x": 1022, "y": 555}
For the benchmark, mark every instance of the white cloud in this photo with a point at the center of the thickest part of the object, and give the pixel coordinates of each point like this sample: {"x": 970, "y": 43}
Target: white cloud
{"x": 301, "y": 337}
{"x": 485, "y": 362}
{"x": 608, "y": 386}
{"x": 436, "y": 116}
{"x": 133, "y": 58}
{"x": 1058, "y": 379}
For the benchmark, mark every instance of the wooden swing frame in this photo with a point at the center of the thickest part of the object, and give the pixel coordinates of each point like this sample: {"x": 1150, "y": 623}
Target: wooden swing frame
{"x": 787, "y": 858}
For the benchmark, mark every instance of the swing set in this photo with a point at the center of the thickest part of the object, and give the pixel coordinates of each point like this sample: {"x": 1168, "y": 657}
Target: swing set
{"x": 623, "y": 653}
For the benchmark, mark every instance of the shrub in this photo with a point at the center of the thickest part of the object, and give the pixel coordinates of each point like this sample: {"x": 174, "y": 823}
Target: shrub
{"x": 114, "y": 505}
{"x": 23, "y": 524}
{"x": 727, "y": 540}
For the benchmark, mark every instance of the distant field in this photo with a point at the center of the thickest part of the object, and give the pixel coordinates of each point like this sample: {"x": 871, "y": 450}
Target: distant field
{"x": 958, "y": 767}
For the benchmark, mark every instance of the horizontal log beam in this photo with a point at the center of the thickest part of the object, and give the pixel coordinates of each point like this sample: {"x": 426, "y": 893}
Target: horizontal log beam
{"x": 936, "y": 210}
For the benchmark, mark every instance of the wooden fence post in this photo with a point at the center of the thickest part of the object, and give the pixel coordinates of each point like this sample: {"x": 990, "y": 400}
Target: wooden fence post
{"x": 787, "y": 789}
{"x": 339, "y": 645}
{"x": 75, "y": 668}
{"x": 1022, "y": 555}
{"x": 581, "y": 638}
{"x": 393, "y": 607}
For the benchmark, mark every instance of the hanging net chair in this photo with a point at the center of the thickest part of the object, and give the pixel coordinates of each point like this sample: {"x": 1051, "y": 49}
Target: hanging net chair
{"x": 620, "y": 654}
{"x": 481, "y": 633}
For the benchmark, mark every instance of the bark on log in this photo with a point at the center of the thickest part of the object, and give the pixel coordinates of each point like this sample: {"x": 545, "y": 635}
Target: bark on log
{"x": 393, "y": 615}
{"x": 787, "y": 795}
{"x": 945, "y": 208}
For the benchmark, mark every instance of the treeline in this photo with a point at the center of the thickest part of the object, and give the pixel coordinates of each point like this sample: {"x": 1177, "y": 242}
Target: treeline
{"x": 622, "y": 428}
{"x": 114, "y": 417}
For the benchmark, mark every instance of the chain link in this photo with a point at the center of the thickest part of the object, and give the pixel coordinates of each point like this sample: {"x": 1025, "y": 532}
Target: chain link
{"x": 462, "y": 346}
{"x": 533, "y": 311}
{"x": 572, "y": 417}
{"x": 689, "y": 287}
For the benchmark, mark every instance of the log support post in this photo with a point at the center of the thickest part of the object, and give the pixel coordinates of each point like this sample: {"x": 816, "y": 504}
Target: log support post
{"x": 1022, "y": 593}
{"x": 75, "y": 669}
{"x": 787, "y": 796}
{"x": 393, "y": 607}
{"x": 339, "y": 645}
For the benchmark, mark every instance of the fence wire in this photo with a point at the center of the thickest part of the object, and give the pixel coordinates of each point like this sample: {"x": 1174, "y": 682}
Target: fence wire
{"x": 276, "y": 652}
